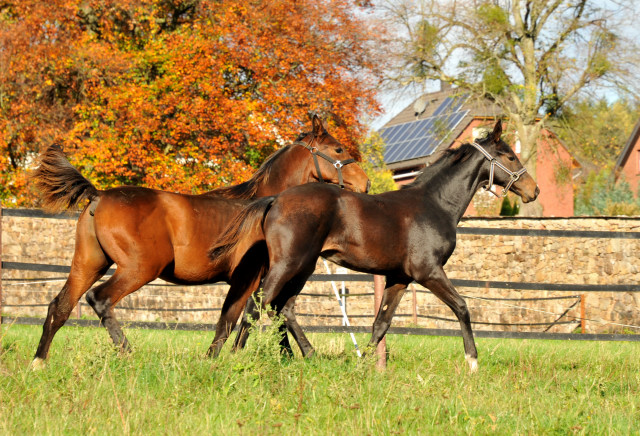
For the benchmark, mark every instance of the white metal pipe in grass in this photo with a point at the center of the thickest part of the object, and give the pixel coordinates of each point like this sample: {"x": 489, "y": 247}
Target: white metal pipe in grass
{"x": 344, "y": 312}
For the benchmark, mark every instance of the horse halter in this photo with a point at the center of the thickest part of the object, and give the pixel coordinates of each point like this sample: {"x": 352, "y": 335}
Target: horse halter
{"x": 337, "y": 164}
{"x": 494, "y": 163}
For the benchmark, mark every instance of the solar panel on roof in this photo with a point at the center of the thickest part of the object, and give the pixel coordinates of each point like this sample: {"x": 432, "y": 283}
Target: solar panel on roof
{"x": 422, "y": 137}
{"x": 459, "y": 101}
{"x": 443, "y": 106}
{"x": 450, "y": 104}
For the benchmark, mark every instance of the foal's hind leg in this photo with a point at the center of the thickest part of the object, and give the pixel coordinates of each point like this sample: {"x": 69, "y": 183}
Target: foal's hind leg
{"x": 291, "y": 324}
{"x": 104, "y": 297}
{"x": 252, "y": 311}
{"x": 283, "y": 283}
{"x": 288, "y": 311}
{"x": 441, "y": 286}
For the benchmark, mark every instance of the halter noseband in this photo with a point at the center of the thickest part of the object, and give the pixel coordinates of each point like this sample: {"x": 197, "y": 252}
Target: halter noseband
{"x": 337, "y": 164}
{"x": 494, "y": 163}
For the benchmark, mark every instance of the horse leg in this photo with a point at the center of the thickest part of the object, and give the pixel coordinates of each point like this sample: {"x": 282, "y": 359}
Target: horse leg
{"x": 291, "y": 324}
{"x": 250, "y": 311}
{"x": 60, "y": 308}
{"x": 391, "y": 297}
{"x": 234, "y": 303}
{"x": 441, "y": 286}
{"x": 88, "y": 265}
{"x": 105, "y": 296}
{"x": 283, "y": 283}
{"x": 294, "y": 328}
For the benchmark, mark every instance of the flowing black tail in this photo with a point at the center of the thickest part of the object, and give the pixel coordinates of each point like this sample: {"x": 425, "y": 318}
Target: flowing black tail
{"x": 243, "y": 233}
{"x": 62, "y": 186}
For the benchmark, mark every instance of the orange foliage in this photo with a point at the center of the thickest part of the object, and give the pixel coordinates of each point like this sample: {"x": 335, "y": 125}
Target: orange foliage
{"x": 183, "y": 95}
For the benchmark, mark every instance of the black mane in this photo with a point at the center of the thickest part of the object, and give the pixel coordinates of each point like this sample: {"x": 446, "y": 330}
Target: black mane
{"x": 447, "y": 158}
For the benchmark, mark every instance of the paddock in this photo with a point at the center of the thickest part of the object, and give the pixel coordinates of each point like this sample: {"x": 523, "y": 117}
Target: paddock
{"x": 533, "y": 275}
{"x": 569, "y": 278}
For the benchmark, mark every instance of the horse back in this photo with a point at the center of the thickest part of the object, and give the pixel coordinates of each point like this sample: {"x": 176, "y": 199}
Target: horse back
{"x": 165, "y": 231}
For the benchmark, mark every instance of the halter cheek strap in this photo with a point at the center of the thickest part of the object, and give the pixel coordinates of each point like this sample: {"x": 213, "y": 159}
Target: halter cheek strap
{"x": 337, "y": 164}
{"x": 494, "y": 163}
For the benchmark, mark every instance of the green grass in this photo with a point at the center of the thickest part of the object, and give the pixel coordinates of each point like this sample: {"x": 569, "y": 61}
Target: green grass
{"x": 167, "y": 386}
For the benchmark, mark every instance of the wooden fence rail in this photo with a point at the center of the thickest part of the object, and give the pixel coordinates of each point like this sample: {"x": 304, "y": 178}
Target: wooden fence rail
{"x": 581, "y": 289}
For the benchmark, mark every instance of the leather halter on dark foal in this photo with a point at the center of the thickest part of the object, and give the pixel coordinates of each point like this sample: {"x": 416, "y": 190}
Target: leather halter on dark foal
{"x": 337, "y": 164}
{"x": 494, "y": 163}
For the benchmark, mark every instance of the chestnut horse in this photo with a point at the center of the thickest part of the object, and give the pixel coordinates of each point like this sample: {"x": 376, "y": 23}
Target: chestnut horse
{"x": 153, "y": 234}
{"x": 405, "y": 235}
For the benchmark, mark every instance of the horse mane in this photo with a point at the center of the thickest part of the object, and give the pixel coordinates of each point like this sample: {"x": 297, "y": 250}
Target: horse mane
{"x": 447, "y": 158}
{"x": 248, "y": 189}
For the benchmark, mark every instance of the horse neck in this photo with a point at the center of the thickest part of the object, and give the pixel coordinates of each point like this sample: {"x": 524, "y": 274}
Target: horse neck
{"x": 453, "y": 186}
{"x": 290, "y": 169}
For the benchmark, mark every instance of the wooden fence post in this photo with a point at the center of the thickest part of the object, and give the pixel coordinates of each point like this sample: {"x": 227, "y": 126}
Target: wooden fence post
{"x": 415, "y": 305}
{"x": 583, "y": 311}
{"x": 378, "y": 290}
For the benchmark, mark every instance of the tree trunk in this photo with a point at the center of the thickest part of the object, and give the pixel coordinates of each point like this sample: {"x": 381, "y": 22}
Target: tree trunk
{"x": 528, "y": 135}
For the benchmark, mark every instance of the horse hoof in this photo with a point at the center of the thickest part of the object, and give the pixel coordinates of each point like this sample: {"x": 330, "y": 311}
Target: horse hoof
{"x": 37, "y": 364}
{"x": 473, "y": 364}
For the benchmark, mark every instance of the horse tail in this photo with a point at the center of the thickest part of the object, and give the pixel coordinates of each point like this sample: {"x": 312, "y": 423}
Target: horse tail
{"x": 244, "y": 232}
{"x": 62, "y": 186}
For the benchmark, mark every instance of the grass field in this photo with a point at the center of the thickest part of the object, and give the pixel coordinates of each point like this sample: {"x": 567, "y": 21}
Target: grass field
{"x": 166, "y": 386}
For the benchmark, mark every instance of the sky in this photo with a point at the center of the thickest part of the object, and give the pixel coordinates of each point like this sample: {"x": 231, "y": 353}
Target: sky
{"x": 395, "y": 101}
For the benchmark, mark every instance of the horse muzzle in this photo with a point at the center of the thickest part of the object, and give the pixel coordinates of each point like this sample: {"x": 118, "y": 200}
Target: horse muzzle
{"x": 529, "y": 197}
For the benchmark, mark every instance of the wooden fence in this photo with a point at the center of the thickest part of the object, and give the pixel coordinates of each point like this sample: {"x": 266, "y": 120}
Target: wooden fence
{"x": 576, "y": 297}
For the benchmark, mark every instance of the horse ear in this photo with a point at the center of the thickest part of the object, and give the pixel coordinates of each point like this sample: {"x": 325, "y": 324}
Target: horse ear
{"x": 497, "y": 132}
{"x": 318, "y": 126}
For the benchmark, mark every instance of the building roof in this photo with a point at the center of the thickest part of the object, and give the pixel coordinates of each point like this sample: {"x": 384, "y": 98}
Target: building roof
{"x": 431, "y": 123}
{"x": 628, "y": 148}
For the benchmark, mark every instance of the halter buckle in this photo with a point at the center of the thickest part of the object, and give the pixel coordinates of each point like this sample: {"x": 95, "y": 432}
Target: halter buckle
{"x": 337, "y": 164}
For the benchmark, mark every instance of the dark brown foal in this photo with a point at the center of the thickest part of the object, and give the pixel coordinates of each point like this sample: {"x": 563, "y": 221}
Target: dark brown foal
{"x": 404, "y": 235}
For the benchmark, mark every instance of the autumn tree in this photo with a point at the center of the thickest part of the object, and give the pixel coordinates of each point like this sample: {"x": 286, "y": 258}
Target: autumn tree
{"x": 381, "y": 177}
{"x": 182, "y": 95}
{"x": 530, "y": 57}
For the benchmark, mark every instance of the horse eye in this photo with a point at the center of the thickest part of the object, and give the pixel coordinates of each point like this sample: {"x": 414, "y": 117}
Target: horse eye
{"x": 511, "y": 158}
{"x": 339, "y": 150}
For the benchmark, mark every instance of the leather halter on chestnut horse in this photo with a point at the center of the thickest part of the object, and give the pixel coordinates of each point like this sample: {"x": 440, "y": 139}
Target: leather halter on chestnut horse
{"x": 337, "y": 164}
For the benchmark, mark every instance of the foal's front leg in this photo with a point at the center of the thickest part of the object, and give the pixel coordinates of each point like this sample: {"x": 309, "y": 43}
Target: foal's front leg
{"x": 391, "y": 297}
{"x": 441, "y": 286}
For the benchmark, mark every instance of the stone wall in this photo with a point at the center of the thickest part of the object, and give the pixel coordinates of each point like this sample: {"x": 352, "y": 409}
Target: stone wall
{"x": 496, "y": 258}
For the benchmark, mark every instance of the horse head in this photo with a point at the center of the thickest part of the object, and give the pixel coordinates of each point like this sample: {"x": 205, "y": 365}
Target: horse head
{"x": 329, "y": 161}
{"x": 510, "y": 173}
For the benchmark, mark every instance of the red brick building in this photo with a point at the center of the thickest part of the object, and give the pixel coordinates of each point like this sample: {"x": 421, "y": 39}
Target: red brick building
{"x": 629, "y": 160}
{"x": 447, "y": 119}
